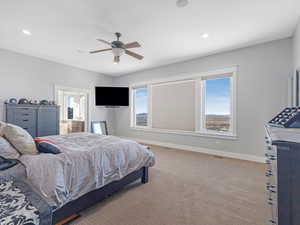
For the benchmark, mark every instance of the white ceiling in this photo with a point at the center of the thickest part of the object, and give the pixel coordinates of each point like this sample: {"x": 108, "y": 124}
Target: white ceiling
{"x": 64, "y": 30}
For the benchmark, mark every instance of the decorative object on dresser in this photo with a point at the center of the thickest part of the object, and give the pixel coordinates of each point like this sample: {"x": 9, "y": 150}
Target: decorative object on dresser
{"x": 288, "y": 118}
{"x": 23, "y": 101}
{"x": 283, "y": 174}
{"x": 44, "y": 102}
{"x": 99, "y": 127}
{"x": 38, "y": 120}
{"x": 13, "y": 101}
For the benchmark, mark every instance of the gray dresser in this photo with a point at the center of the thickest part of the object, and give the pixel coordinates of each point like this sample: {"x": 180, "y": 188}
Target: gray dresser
{"x": 38, "y": 120}
{"x": 283, "y": 175}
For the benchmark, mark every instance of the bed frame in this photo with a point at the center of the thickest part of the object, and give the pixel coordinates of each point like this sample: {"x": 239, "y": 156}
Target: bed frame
{"x": 95, "y": 196}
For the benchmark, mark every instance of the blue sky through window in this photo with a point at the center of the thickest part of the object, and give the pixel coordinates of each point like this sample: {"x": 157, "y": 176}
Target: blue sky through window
{"x": 218, "y": 96}
{"x": 141, "y": 100}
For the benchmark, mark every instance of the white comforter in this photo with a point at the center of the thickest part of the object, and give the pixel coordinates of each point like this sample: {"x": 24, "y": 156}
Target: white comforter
{"x": 87, "y": 162}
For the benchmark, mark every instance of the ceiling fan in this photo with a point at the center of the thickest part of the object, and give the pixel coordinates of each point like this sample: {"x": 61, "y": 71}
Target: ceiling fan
{"x": 118, "y": 48}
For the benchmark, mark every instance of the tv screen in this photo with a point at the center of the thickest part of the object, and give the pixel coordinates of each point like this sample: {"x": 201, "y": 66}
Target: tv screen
{"x": 112, "y": 96}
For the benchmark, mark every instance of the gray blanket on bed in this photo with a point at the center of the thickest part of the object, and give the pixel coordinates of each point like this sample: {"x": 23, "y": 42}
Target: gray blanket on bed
{"x": 19, "y": 203}
{"x": 87, "y": 162}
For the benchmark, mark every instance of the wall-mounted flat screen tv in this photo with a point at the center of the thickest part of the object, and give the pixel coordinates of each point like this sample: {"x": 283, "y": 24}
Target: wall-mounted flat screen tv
{"x": 112, "y": 96}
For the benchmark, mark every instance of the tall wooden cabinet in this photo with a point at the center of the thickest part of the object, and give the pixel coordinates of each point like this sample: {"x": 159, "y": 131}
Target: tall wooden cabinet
{"x": 38, "y": 120}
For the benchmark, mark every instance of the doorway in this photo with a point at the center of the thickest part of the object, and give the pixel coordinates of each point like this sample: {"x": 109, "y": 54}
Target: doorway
{"x": 74, "y": 109}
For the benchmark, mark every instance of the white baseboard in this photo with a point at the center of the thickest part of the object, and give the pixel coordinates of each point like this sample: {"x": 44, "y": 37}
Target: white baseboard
{"x": 247, "y": 157}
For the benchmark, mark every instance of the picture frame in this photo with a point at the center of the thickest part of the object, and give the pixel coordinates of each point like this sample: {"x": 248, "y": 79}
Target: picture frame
{"x": 99, "y": 127}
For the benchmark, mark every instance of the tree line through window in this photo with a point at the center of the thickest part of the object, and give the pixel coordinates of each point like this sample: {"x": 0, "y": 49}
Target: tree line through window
{"x": 141, "y": 106}
{"x": 218, "y": 104}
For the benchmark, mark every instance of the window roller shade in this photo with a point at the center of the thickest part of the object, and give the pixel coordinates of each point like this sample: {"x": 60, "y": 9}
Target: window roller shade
{"x": 173, "y": 105}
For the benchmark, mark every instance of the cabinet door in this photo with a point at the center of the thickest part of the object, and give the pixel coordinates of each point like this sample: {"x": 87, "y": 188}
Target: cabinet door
{"x": 48, "y": 118}
{"x": 295, "y": 190}
{"x": 284, "y": 164}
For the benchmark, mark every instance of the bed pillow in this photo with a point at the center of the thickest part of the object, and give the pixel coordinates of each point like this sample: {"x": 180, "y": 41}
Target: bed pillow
{"x": 20, "y": 139}
{"x": 2, "y": 125}
{"x": 46, "y": 146}
{"x": 7, "y": 150}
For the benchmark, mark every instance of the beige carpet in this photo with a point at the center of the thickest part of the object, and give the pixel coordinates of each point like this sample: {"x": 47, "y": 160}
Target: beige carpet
{"x": 188, "y": 188}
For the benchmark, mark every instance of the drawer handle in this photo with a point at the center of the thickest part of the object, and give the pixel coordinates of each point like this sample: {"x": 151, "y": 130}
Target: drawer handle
{"x": 25, "y": 128}
{"x": 271, "y": 157}
{"x": 271, "y": 187}
{"x": 268, "y": 161}
{"x": 25, "y": 114}
{"x": 270, "y": 202}
{"x": 25, "y": 120}
{"x": 269, "y": 173}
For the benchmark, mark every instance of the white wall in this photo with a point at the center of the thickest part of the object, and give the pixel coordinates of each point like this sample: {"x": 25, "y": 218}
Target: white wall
{"x": 262, "y": 87}
{"x": 296, "y": 47}
{"x": 34, "y": 78}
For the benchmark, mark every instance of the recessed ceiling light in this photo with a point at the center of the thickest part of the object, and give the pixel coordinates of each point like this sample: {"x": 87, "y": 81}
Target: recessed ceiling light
{"x": 81, "y": 51}
{"x": 205, "y": 35}
{"x": 182, "y": 3}
{"x": 26, "y": 32}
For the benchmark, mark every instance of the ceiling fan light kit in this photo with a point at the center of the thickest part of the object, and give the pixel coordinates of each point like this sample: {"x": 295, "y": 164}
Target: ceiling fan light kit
{"x": 118, "y": 48}
{"x": 118, "y": 51}
{"x": 182, "y": 3}
{"x": 116, "y": 59}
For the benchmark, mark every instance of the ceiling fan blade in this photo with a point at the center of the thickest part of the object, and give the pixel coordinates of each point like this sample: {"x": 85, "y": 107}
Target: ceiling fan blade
{"x": 105, "y": 42}
{"x": 132, "y": 45}
{"x": 102, "y": 50}
{"x": 133, "y": 54}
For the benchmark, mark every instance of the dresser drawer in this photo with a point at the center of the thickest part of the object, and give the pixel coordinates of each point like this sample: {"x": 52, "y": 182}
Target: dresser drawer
{"x": 274, "y": 216}
{"x": 31, "y": 131}
{"x": 24, "y": 111}
{"x": 24, "y": 117}
{"x": 271, "y": 149}
{"x": 26, "y": 114}
{"x": 272, "y": 190}
{"x": 271, "y": 162}
{"x": 25, "y": 122}
{"x": 271, "y": 176}
{"x": 272, "y": 208}
{"x": 273, "y": 221}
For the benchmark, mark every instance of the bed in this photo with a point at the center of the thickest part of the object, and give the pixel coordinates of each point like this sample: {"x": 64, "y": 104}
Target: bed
{"x": 89, "y": 168}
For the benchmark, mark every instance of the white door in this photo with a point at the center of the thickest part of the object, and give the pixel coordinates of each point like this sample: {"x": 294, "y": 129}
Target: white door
{"x": 73, "y": 109}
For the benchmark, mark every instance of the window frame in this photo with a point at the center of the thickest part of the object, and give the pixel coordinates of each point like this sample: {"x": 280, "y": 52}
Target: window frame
{"x": 199, "y": 103}
{"x": 133, "y": 113}
{"x": 202, "y": 105}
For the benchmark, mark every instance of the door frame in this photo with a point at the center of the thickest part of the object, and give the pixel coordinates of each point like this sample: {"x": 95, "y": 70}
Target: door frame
{"x": 88, "y": 94}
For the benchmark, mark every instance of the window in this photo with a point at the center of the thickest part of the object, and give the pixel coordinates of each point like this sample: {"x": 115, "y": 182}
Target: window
{"x": 202, "y": 104}
{"x": 141, "y": 107}
{"x": 217, "y": 104}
